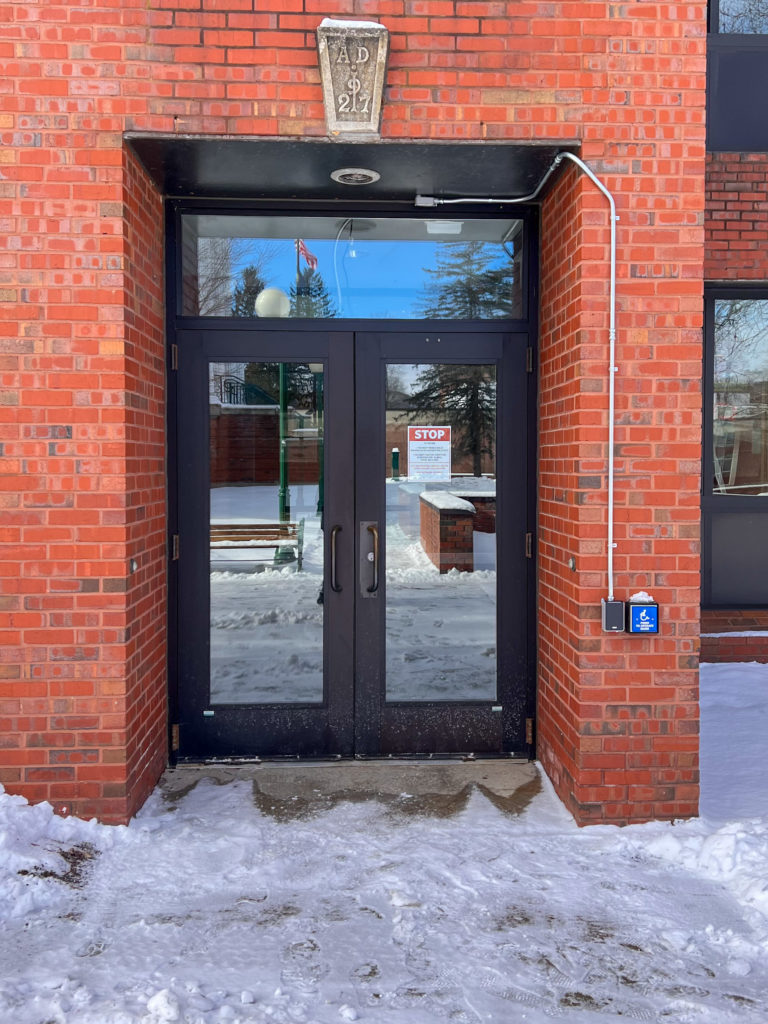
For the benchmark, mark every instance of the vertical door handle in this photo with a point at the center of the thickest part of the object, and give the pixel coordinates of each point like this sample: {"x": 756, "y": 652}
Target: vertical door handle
{"x": 374, "y": 532}
{"x": 334, "y": 582}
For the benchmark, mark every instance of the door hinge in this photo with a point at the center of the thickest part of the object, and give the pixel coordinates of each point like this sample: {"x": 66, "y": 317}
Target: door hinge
{"x": 175, "y": 736}
{"x": 175, "y": 547}
{"x": 529, "y": 731}
{"x": 174, "y": 357}
{"x": 529, "y": 545}
{"x": 529, "y": 360}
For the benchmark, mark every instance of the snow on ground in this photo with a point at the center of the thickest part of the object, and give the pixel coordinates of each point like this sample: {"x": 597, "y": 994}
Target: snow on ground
{"x": 206, "y": 910}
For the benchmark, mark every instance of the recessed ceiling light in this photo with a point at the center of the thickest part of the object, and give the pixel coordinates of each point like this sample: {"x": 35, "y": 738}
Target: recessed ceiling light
{"x": 355, "y": 176}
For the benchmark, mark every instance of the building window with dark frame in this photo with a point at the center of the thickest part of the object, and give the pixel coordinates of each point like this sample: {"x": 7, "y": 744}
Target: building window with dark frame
{"x": 734, "y": 500}
{"x": 737, "y": 75}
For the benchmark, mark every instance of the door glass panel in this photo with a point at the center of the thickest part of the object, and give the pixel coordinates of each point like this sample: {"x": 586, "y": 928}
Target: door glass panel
{"x": 266, "y": 463}
{"x": 363, "y": 268}
{"x": 440, "y": 532}
{"x": 740, "y": 407}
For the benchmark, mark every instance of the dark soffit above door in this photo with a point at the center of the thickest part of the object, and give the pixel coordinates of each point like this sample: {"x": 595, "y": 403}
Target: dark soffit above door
{"x": 248, "y": 168}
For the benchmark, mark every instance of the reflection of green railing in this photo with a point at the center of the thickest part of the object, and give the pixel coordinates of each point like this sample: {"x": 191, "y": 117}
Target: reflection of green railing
{"x": 283, "y": 496}
{"x": 319, "y": 415}
{"x": 237, "y": 392}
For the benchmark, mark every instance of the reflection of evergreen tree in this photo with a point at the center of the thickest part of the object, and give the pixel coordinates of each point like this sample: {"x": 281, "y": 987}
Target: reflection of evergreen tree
{"x": 468, "y": 283}
{"x": 245, "y": 292}
{"x": 310, "y": 298}
{"x": 464, "y": 396}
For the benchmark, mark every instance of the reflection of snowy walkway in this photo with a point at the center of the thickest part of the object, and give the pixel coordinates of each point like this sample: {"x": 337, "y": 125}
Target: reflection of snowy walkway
{"x": 266, "y": 637}
{"x": 267, "y": 627}
{"x": 441, "y": 629}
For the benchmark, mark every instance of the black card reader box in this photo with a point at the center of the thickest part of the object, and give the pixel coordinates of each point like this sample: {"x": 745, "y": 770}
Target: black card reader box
{"x": 612, "y": 614}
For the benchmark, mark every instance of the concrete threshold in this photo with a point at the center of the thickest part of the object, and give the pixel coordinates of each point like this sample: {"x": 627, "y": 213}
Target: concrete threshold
{"x": 291, "y": 790}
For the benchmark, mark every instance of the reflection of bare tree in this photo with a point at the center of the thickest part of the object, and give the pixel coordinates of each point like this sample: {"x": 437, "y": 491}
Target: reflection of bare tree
{"x": 396, "y": 386}
{"x": 740, "y": 409}
{"x": 220, "y": 262}
{"x": 744, "y": 16}
{"x": 741, "y": 340}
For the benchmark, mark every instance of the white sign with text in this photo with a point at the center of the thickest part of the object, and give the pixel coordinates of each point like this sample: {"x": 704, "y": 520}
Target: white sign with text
{"x": 429, "y": 453}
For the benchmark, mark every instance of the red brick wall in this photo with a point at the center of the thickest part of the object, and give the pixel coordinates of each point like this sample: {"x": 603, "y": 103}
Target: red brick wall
{"x": 737, "y": 217}
{"x": 81, "y": 373}
{"x": 83, "y": 701}
{"x": 618, "y": 714}
{"x": 145, "y": 503}
{"x": 572, "y": 427}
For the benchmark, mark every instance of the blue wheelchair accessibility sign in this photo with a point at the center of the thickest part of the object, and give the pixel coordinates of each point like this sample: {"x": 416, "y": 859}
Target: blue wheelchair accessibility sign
{"x": 644, "y": 618}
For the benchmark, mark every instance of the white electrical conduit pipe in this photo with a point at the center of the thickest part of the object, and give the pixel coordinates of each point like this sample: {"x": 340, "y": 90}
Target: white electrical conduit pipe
{"x": 425, "y": 201}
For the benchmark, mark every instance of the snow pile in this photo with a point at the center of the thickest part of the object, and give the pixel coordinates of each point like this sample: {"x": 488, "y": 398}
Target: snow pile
{"x": 736, "y": 854}
{"x": 734, "y": 791}
{"x": 34, "y": 847}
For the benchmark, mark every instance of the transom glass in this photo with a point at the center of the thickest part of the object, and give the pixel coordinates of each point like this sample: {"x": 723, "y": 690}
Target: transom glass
{"x": 351, "y": 267}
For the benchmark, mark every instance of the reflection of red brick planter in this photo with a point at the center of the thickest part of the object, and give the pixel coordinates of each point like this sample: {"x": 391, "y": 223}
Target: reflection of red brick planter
{"x": 446, "y": 530}
{"x": 245, "y": 448}
{"x": 485, "y": 510}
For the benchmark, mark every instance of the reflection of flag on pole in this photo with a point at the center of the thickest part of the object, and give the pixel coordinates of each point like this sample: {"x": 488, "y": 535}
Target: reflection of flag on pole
{"x": 303, "y": 251}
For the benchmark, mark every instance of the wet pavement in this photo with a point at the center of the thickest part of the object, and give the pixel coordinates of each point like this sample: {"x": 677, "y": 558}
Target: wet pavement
{"x": 289, "y": 790}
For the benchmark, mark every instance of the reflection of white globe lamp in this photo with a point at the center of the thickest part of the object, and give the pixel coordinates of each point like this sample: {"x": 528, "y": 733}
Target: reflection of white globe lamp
{"x": 272, "y": 302}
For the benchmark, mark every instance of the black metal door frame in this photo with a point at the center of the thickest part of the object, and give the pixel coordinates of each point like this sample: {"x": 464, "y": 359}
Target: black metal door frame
{"x": 384, "y": 728}
{"x": 350, "y": 727}
{"x": 306, "y": 730}
{"x": 354, "y": 718}
{"x": 733, "y": 559}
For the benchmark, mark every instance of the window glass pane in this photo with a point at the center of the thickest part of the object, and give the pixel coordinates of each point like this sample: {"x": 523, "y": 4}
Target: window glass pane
{"x": 744, "y": 16}
{"x": 440, "y": 475}
{"x": 266, "y": 458}
{"x": 359, "y": 268}
{"x": 740, "y": 408}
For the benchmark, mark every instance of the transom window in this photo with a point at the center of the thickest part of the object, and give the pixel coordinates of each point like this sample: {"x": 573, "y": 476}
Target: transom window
{"x": 351, "y": 267}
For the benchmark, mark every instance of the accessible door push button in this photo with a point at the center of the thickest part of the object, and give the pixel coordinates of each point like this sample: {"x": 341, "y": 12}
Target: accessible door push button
{"x": 642, "y": 617}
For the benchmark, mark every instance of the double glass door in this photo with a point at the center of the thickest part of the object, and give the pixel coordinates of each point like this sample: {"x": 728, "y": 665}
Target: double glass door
{"x": 352, "y": 570}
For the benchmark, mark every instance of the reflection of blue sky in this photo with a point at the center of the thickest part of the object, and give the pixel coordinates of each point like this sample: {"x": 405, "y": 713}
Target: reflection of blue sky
{"x": 364, "y": 279}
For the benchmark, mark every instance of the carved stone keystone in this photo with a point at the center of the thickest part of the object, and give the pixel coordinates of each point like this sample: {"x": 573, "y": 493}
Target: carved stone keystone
{"x": 353, "y": 67}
